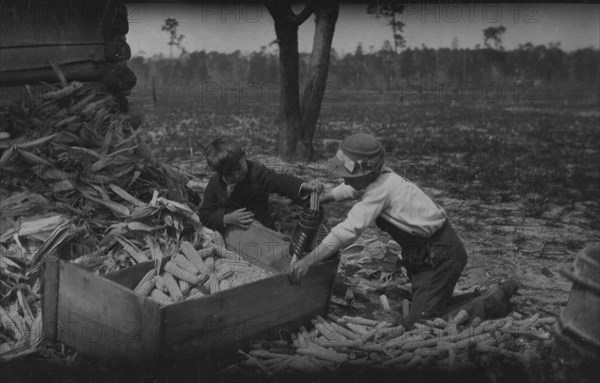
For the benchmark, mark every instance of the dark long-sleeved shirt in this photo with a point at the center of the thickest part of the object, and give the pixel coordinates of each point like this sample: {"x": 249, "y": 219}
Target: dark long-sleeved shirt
{"x": 251, "y": 193}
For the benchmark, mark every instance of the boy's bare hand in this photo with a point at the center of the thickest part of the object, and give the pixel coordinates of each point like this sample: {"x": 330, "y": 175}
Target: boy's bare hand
{"x": 298, "y": 270}
{"x": 240, "y": 217}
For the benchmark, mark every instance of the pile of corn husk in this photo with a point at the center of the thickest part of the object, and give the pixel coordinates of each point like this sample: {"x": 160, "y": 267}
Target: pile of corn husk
{"x": 360, "y": 344}
{"x": 78, "y": 183}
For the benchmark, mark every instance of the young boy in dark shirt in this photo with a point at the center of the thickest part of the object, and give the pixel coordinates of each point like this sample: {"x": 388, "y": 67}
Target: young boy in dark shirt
{"x": 239, "y": 191}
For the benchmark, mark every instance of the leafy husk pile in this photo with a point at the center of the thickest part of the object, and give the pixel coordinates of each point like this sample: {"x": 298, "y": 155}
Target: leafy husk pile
{"x": 79, "y": 183}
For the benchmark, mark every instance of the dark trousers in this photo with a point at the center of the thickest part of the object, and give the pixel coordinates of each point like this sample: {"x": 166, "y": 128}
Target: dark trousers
{"x": 433, "y": 265}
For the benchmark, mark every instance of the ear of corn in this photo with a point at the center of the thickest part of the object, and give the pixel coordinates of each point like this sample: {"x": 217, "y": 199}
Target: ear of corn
{"x": 239, "y": 282}
{"x": 206, "y": 252}
{"x": 160, "y": 284}
{"x": 202, "y": 279}
{"x": 146, "y": 284}
{"x": 178, "y": 272}
{"x": 195, "y": 293}
{"x": 210, "y": 262}
{"x": 224, "y": 285}
{"x": 192, "y": 255}
{"x": 181, "y": 278}
{"x": 218, "y": 239}
{"x": 160, "y": 297}
{"x": 203, "y": 287}
{"x": 184, "y": 287}
{"x": 173, "y": 287}
{"x": 184, "y": 263}
{"x": 224, "y": 273}
{"x": 63, "y": 92}
{"x": 213, "y": 283}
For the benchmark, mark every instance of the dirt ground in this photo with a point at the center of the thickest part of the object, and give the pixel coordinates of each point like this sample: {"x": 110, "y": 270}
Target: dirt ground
{"x": 520, "y": 184}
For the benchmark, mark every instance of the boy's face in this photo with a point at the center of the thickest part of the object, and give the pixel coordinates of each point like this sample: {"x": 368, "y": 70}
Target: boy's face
{"x": 237, "y": 175}
{"x": 360, "y": 183}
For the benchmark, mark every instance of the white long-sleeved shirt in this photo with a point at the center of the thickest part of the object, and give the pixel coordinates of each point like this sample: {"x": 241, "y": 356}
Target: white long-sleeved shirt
{"x": 395, "y": 199}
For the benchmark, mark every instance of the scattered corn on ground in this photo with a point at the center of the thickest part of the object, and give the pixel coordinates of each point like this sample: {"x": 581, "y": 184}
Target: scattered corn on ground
{"x": 358, "y": 343}
{"x": 79, "y": 183}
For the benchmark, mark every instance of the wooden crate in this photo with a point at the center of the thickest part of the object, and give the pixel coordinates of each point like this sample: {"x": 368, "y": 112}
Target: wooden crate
{"x": 101, "y": 316}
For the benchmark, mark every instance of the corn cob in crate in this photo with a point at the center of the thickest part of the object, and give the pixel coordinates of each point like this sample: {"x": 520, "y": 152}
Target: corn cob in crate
{"x": 146, "y": 284}
{"x": 193, "y": 273}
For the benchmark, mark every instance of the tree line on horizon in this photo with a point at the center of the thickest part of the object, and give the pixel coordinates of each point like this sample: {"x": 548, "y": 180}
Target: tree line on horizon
{"x": 383, "y": 69}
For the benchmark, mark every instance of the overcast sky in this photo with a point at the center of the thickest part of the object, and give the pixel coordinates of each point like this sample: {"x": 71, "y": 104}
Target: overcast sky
{"x": 247, "y": 27}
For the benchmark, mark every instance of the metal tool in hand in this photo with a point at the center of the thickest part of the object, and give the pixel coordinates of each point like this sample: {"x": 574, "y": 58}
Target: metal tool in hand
{"x": 309, "y": 222}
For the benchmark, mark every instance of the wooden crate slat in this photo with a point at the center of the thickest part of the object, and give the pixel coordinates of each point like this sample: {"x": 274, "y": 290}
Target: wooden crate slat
{"x": 94, "y": 337}
{"x": 265, "y": 303}
{"x": 90, "y": 301}
{"x": 219, "y": 337}
{"x": 50, "y": 282}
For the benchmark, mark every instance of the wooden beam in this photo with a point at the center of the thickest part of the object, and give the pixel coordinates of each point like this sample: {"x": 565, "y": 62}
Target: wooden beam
{"x": 80, "y": 71}
{"x": 23, "y": 58}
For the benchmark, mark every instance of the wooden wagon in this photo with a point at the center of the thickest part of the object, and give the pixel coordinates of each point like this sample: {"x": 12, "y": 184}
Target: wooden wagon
{"x": 85, "y": 39}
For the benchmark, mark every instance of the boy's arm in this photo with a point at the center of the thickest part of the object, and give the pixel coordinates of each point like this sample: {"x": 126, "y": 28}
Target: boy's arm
{"x": 359, "y": 218}
{"x": 325, "y": 250}
{"x": 361, "y": 215}
{"x": 211, "y": 211}
{"x": 283, "y": 184}
{"x": 339, "y": 193}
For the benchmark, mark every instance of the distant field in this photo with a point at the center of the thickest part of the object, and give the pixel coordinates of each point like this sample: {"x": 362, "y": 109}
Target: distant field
{"x": 538, "y": 150}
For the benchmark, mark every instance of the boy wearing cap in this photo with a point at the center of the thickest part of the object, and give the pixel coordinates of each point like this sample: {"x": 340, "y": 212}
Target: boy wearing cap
{"x": 239, "y": 191}
{"x": 433, "y": 254}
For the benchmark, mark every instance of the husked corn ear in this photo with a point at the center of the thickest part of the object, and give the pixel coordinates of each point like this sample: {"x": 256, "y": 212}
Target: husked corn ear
{"x": 204, "y": 289}
{"x": 206, "y": 252}
{"x": 179, "y": 273}
{"x": 224, "y": 285}
{"x": 236, "y": 267}
{"x": 160, "y": 284}
{"x": 239, "y": 281}
{"x": 173, "y": 287}
{"x": 233, "y": 262}
{"x": 218, "y": 239}
{"x": 195, "y": 293}
{"x": 225, "y": 273}
{"x": 160, "y": 297}
{"x": 184, "y": 263}
{"x": 202, "y": 279}
{"x": 146, "y": 284}
{"x": 213, "y": 283}
{"x": 210, "y": 262}
{"x": 184, "y": 287}
{"x": 192, "y": 255}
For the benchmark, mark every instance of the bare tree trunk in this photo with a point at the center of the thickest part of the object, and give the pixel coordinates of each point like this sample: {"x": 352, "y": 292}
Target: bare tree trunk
{"x": 289, "y": 105}
{"x": 297, "y": 124}
{"x": 316, "y": 82}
